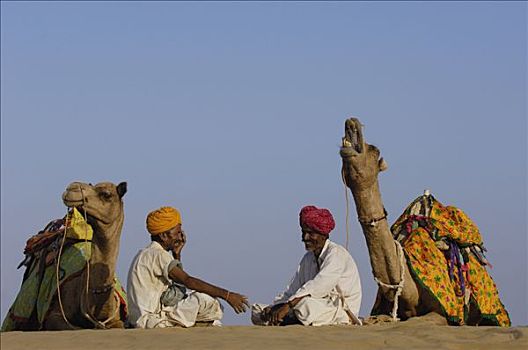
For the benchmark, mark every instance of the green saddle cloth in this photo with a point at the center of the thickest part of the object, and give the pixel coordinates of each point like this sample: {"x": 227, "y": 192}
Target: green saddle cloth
{"x": 33, "y": 297}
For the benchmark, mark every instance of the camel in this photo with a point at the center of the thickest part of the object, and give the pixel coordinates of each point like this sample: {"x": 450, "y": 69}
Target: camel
{"x": 361, "y": 165}
{"x": 96, "y": 307}
{"x": 87, "y": 300}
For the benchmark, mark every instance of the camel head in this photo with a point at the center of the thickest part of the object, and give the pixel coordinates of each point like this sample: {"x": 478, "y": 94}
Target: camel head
{"x": 102, "y": 202}
{"x": 361, "y": 161}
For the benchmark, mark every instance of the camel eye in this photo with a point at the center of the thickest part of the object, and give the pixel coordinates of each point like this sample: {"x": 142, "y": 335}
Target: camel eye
{"x": 106, "y": 195}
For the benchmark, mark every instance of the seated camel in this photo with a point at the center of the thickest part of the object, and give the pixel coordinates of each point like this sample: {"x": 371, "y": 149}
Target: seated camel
{"x": 431, "y": 262}
{"x": 87, "y": 295}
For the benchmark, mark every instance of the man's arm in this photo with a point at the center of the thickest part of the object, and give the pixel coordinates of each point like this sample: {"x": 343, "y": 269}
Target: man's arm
{"x": 293, "y": 286}
{"x": 238, "y": 302}
{"x": 276, "y": 314}
{"x": 325, "y": 280}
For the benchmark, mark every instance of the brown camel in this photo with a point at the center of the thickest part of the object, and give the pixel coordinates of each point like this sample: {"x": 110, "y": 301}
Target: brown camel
{"x": 361, "y": 166}
{"x": 88, "y": 300}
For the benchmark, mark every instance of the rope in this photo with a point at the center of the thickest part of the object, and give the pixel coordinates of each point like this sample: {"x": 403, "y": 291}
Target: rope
{"x": 86, "y": 313}
{"x": 96, "y": 323}
{"x": 399, "y": 286}
{"x": 347, "y": 225}
{"x": 373, "y": 223}
{"x": 57, "y": 274}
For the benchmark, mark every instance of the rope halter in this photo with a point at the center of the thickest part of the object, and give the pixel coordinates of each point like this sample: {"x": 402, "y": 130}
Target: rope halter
{"x": 399, "y": 286}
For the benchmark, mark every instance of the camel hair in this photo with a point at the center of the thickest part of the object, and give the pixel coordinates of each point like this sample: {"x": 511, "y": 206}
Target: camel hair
{"x": 361, "y": 165}
{"x": 88, "y": 300}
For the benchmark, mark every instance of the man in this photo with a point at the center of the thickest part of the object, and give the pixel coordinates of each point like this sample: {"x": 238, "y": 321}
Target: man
{"x": 157, "y": 283}
{"x": 325, "y": 290}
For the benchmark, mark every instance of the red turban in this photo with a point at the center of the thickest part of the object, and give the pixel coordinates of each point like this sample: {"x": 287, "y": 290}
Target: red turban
{"x": 316, "y": 219}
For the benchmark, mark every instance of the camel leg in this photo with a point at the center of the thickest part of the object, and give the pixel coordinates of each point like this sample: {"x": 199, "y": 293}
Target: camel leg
{"x": 55, "y": 322}
{"x": 380, "y": 311}
{"x": 54, "y": 319}
{"x": 381, "y": 305}
{"x": 115, "y": 324}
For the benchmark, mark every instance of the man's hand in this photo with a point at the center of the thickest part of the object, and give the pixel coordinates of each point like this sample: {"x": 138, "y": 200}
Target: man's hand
{"x": 238, "y": 302}
{"x": 178, "y": 246}
{"x": 277, "y": 314}
{"x": 266, "y": 314}
{"x": 268, "y": 310}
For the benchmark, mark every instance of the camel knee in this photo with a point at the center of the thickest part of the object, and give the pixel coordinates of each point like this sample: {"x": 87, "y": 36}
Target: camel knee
{"x": 56, "y": 322}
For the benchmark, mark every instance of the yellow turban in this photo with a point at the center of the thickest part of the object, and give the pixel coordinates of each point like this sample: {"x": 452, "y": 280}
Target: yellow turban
{"x": 162, "y": 220}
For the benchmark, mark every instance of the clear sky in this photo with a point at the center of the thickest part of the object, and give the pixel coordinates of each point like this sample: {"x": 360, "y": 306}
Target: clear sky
{"x": 233, "y": 113}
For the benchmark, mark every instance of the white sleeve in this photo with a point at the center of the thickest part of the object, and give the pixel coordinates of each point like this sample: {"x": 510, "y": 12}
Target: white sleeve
{"x": 325, "y": 280}
{"x": 162, "y": 263}
{"x": 295, "y": 283}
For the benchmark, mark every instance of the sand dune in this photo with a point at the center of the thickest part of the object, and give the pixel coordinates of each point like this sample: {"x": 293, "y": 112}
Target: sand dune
{"x": 413, "y": 334}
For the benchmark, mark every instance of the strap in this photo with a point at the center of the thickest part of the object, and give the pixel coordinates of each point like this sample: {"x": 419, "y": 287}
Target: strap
{"x": 353, "y": 318}
{"x": 373, "y": 222}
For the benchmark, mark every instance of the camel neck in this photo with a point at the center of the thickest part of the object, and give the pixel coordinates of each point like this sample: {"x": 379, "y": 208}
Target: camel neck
{"x": 104, "y": 256}
{"x": 380, "y": 243}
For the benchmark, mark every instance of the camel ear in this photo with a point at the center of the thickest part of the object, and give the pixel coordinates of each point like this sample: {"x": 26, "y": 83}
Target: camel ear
{"x": 121, "y": 189}
{"x": 382, "y": 164}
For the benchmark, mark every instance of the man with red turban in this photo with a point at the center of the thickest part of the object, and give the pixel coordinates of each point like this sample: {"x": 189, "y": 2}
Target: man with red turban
{"x": 157, "y": 283}
{"x": 326, "y": 288}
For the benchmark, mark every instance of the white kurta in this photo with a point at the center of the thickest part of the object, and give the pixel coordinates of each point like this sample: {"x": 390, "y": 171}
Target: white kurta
{"x": 148, "y": 278}
{"x": 328, "y": 280}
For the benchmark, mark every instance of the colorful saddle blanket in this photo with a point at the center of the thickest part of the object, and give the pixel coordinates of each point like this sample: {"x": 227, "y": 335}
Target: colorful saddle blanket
{"x": 445, "y": 252}
{"x": 40, "y": 280}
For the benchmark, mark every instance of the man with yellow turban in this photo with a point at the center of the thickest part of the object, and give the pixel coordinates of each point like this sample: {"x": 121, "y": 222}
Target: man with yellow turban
{"x": 158, "y": 286}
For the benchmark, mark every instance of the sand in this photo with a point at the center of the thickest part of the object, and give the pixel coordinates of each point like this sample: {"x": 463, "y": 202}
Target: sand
{"x": 412, "y": 334}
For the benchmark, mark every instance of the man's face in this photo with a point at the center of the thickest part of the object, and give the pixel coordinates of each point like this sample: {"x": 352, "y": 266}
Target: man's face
{"x": 313, "y": 240}
{"x": 172, "y": 237}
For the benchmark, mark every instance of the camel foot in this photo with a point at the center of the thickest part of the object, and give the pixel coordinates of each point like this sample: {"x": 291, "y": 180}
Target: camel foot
{"x": 378, "y": 319}
{"x": 115, "y": 324}
{"x": 432, "y": 318}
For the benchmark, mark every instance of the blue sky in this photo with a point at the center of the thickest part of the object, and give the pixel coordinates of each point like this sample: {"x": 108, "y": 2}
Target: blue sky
{"x": 233, "y": 112}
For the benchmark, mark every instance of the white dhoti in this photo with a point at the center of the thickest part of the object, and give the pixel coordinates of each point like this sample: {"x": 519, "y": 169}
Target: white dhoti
{"x": 327, "y": 286}
{"x": 148, "y": 280}
{"x": 320, "y": 311}
{"x": 197, "y": 307}
{"x": 310, "y": 312}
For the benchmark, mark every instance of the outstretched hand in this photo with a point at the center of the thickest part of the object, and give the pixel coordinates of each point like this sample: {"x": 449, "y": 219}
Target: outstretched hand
{"x": 238, "y": 302}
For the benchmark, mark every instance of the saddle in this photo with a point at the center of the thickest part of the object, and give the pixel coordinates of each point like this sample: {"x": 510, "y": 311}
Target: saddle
{"x": 39, "y": 284}
{"x": 445, "y": 253}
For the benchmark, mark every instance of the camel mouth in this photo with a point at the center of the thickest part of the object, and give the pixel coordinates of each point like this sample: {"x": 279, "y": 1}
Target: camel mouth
{"x": 72, "y": 199}
{"x": 90, "y": 219}
{"x": 73, "y": 196}
{"x": 353, "y": 138}
{"x": 76, "y": 205}
{"x": 72, "y": 203}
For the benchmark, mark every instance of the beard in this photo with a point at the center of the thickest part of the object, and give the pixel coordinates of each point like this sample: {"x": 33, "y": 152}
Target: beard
{"x": 309, "y": 245}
